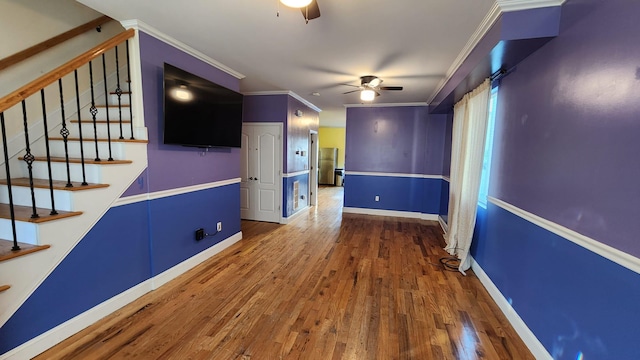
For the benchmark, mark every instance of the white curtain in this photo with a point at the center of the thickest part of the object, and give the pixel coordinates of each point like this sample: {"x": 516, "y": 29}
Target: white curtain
{"x": 467, "y": 151}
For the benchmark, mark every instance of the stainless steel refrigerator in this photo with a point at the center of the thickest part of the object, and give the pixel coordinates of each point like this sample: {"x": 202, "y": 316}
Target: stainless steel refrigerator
{"x": 328, "y": 160}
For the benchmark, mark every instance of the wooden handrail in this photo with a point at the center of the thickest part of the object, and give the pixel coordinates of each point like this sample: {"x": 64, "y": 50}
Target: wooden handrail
{"x": 57, "y": 73}
{"x": 56, "y": 40}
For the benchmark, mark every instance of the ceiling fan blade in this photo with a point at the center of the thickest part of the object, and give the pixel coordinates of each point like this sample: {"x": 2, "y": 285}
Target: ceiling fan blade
{"x": 312, "y": 11}
{"x": 351, "y": 85}
{"x": 352, "y": 91}
{"x": 390, "y": 87}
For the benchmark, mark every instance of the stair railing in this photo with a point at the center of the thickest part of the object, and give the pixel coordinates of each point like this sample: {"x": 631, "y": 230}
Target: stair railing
{"x": 107, "y": 51}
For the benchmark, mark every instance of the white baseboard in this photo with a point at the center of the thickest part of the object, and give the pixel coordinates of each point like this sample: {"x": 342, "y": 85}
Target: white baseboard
{"x": 59, "y": 333}
{"x": 443, "y": 224}
{"x": 532, "y": 342}
{"x": 52, "y": 337}
{"x": 392, "y": 213}
{"x": 193, "y": 261}
{"x": 287, "y": 220}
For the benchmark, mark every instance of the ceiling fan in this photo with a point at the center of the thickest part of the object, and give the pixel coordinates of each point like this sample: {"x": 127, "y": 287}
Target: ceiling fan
{"x": 309, "y": 8}
{"x": 370, "y": 86}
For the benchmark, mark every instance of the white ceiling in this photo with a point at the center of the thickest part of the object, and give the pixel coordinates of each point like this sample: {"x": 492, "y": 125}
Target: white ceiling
{"x": 409, "y": 43}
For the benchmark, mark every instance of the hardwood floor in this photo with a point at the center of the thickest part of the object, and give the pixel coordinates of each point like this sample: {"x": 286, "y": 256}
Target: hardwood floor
{"x": 326, "y": 286}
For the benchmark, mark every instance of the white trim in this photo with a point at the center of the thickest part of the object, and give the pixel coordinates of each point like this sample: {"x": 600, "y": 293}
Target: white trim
{"x": 381, "y": 212}
{"x": 529, "y": 338}
{"x": 486, "y": 24}
{"x": 193, "y": 261}
{"x": 288, "y": 220}
{"x": 446, "y": 178}
{"x": 136, "y": 98}
{"x": 130, "y": 200}
{"x": 386, "y": 105}
{"x": 147, "y": 29}
{"x": 284, "y": 92}
{"x": 297, "y": 173}
{"x": 429, "y": 217}
{"x": 443, "y": 224}
{"x": 619, "y": 257}
{"x": 515, "y": 5}
{"x": 420, "y": 176}
{"x": 171, "y": 192}
{"x": 54, "y": 336}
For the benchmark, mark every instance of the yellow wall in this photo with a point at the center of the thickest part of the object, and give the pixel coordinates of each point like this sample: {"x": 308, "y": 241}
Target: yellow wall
{"x": 333, "y": 138}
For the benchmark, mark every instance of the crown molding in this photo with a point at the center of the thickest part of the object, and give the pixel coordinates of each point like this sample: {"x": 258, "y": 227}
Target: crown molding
{"x": 148, "y": 29}
{"x": 516, "y": 5}
{"x": 386, "y": 105}
{"x": 486, "y": 24}
{"x": 498, "y": 8}
{"x": 283, "y": 92}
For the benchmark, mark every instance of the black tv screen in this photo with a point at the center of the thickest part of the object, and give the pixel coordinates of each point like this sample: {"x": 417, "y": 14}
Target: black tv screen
{"x": 198, "y": 112}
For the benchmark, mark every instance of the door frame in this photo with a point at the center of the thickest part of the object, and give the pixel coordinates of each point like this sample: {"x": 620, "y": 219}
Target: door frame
{"x": 313, "y": 168}
{"x": 278, "y": 161}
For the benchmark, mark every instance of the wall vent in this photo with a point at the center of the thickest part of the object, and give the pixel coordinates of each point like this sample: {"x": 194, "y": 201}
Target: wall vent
{"x": 296, "y": 194}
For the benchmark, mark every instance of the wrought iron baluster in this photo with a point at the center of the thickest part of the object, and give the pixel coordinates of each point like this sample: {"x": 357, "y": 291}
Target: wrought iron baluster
{"x": 119, "y": 91}
{"x": 15, "y": 247}
{"x": 129, "y": 80}
{"x": 106, "y": 109}
{"x": 46, "y": 145}
{"x": 93, "y": 110}
{"x": 65, "y": 134}
{"x": 29, "y": 159}
{"x": 84, "y": 175}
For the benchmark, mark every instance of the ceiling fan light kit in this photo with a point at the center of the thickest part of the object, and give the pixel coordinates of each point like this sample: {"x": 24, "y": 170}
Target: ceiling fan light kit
{"x": 367, "y": 95}
{"x": 296, "y": 3}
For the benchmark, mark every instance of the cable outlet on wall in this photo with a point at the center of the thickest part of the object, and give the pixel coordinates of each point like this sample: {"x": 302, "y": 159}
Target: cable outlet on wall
{"x": 377, "y": 197}
{"x": 199, "y": 234}
{"x": 219, "y": 226}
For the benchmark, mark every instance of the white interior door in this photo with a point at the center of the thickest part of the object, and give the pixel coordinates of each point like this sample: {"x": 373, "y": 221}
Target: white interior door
{"x": 260, "y": 185}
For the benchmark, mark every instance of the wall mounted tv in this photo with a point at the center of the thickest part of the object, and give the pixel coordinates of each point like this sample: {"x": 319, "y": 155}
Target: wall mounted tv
{"x": 198, "y": 112}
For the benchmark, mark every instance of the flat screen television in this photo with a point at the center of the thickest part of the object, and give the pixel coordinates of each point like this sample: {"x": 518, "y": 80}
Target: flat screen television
{"x": 198, "y": 112}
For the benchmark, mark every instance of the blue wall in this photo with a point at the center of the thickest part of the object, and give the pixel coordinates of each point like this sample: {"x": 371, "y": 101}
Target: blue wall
{"x": 575, "y": 301}
{"x": 129, "y": 245}
{"x": 303, "y": 188}
{"x": 410, "y": 194}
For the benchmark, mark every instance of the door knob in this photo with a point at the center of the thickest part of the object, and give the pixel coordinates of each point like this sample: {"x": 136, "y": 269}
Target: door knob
{"x": 256, "y": 179}
{"x": 251, "y": 178}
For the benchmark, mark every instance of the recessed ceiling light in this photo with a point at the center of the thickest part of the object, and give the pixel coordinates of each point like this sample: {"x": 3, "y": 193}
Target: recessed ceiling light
{"x": 315, "y": 93}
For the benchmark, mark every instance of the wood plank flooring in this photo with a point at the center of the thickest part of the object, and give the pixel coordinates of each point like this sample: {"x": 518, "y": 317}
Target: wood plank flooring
{"x": 326, "y": 286}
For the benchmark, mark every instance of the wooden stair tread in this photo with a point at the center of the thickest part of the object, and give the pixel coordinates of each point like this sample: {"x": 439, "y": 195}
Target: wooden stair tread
{"x": 111, "y": 121}
{"x": 6, "y": 253}
{"x": 4, "y": 287}
{"x": 79, "y": 161}
{"x": 100, "y": 140}
{"x": 23, "y": 213}
{"x": 57, "y": 184}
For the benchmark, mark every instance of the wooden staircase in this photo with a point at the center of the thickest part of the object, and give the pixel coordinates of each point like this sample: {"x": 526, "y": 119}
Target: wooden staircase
{"x": 61, "y": 202}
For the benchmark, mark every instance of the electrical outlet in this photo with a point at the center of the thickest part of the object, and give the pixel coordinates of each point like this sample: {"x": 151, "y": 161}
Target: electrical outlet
{"x": 199, "y": 234}
{"x": 219, "y": 226}
{"x": 377, "y": 198}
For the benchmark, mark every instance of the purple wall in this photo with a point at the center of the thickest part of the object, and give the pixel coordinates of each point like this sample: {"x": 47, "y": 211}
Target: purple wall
{"x": 172, "y": 166}
{"x": 566, "y": 145}
{"x": 281, "y": 109}
{"x": 446, "y": 157}
{"x": 298, "y": 135}
{"x": 265, "y": 108}
{"x": 435, "y": 144}
{"x": 387, "y": 139}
